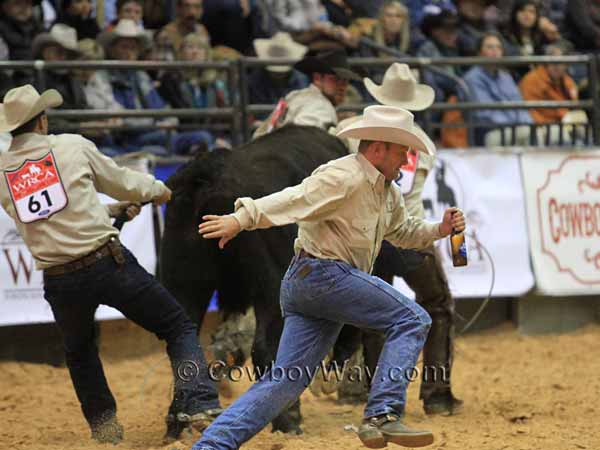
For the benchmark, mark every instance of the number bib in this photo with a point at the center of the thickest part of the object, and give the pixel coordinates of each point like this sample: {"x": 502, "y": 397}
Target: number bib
{"x": 406, "y": 180}
{"x": 36, "y": 189}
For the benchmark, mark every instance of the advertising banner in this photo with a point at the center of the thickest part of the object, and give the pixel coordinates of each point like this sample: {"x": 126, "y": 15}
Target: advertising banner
{"x": 487, "y": 187}
{"x": 563, "y": 202}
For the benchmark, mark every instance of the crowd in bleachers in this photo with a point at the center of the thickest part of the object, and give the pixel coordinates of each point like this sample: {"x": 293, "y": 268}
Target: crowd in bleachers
{"x": 223, "y": 30}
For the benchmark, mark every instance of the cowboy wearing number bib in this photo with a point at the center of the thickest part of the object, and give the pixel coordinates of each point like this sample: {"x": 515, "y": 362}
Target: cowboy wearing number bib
{"x": 49, "y": 186}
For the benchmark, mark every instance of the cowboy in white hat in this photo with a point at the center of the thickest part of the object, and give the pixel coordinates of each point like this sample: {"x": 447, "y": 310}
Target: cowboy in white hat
{"x": 59, "y": 44}
{"x": 329, "y": 74}
{"x": 400, "y": 88}
{"x": 281, "y": 45}
{"x": 49, "y": 186}
{"x": 344, "y": 211}
{"x": 125, "y": 34}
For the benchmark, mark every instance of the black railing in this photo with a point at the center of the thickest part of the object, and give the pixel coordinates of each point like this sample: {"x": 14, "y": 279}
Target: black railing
{"x": 237, "y": 114}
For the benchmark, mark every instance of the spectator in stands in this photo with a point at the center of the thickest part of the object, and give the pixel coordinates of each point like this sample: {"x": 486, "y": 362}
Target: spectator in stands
{"x": 308, "y": 22}
{"x": 77, "y": 14}
{"x": 472, "y": 26}
{"x": 235, "y": 23}
{"x": 342, "y": 12}
{"x": 129, "y": 9}
{"x": 60, "y": 44}
{"x": 582, "y": 22}
{"x": 552, "y": 15}
{"x": 522, "y": 33}
{"x": 133, "y": 89}
{"x": 491, "y": 84}
{"x": 391, "y": 29}
{"x": 315, "y": 105}
{"x": 101, "y": 133}
{"x": 187, "y": 20}
{"x": 266, "y": 85}
{"x": 295, "y": 16}
{"x": 549, "y": 82}
{"x": 418, "y": 9}
{"x": 194, "y": 88}
{"x": 440, "y": 27}
{"x": 18, "y": 27}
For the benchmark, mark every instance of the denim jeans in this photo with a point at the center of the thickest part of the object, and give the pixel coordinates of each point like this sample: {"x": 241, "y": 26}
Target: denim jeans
{"x": 317, "y": 297}
{"x": 74, "y": 298}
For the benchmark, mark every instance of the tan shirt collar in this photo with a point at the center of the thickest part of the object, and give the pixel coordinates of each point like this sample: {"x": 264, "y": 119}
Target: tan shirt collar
{"x": 374, "y": 176}
{"x": 28, "y": 141}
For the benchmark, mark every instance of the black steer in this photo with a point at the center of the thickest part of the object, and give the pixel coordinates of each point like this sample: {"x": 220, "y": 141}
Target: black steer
{"x": 249, "y": 270}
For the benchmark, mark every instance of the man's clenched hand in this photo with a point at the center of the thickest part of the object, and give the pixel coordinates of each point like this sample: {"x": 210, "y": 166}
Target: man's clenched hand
{"x": 453, "y": 220}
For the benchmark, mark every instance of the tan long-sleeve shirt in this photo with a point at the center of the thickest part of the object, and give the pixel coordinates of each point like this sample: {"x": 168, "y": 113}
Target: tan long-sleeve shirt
{"x": 344, "y": 210}
{"x": 49, "y": 186}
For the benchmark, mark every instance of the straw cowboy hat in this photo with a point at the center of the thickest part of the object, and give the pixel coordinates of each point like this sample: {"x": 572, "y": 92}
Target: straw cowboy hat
{"x": 61, "y": 35}
{"x": 334, "y": 62}
{"x": 23, "y": 103}
{"x": 399, "y": 88}
{"x": 126, "y": 28}
{"x": 279, "y": 46}
{"x": 386, "y": 124}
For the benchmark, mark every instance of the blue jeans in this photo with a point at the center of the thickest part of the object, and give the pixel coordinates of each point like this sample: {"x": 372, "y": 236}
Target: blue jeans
{"x": 74, "y": 298}
{"x": 317, "y": 297}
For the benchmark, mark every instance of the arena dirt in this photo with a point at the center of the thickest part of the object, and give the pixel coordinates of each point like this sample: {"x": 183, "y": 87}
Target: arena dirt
{"x": 521, "y": 393}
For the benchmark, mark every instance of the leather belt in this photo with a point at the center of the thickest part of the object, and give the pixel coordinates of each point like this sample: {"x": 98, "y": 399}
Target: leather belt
{"x": 304, "y": 254}
{"x": 112, "y": 247}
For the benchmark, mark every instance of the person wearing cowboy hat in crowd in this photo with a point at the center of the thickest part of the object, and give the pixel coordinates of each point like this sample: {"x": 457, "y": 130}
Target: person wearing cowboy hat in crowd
{"x": 133, "y": 89}
{"x": 426, "y": 278}
{"x": 315, "y": 105}
{"x": 344, "y": 211}
{"x": 49, "y": 186}
{"x": 60, "y": 44}
{"x": 266, "y": 85}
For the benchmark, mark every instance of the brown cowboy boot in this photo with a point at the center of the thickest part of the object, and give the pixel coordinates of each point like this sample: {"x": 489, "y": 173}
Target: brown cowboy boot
{"x": 377, "y": 432}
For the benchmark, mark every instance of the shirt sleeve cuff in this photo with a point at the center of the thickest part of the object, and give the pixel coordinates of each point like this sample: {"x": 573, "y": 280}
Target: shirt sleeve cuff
{"x": 243, "y": 217}
{"x": 157, "y": 189}
{"x": 436, "y": 231}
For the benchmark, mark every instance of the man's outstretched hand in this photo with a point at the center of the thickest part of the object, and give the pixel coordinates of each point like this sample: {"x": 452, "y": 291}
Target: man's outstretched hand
{"x": 223, "y": 227}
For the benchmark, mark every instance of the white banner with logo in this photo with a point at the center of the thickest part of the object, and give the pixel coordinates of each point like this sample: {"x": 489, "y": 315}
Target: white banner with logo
{"x": 563, "y": 200}
{"x": 21, "y": 286}
{"x": 487, "y": 187}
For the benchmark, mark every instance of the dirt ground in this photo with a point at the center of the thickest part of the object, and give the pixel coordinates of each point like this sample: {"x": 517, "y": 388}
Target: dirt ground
{"x": 521, "y": 393}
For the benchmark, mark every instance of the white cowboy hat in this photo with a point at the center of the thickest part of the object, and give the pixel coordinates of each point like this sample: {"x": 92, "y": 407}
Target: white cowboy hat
{"x": 386, "y": 124}
{"x": 279, "y": 46}
{"x": 23, "y": 103}
{"x": 399, "y": 88}
{"x": 61, "y": 35}
{"x": 125, "y": 28}
{"x": 353, "y": 143}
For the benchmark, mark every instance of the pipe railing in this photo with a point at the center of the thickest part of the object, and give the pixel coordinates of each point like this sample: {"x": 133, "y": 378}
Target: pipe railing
{"x": 239, "y": 110}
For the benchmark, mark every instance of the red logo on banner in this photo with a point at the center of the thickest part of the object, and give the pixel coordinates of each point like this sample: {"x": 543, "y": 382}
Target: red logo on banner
{"x": 569, "y": 217}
